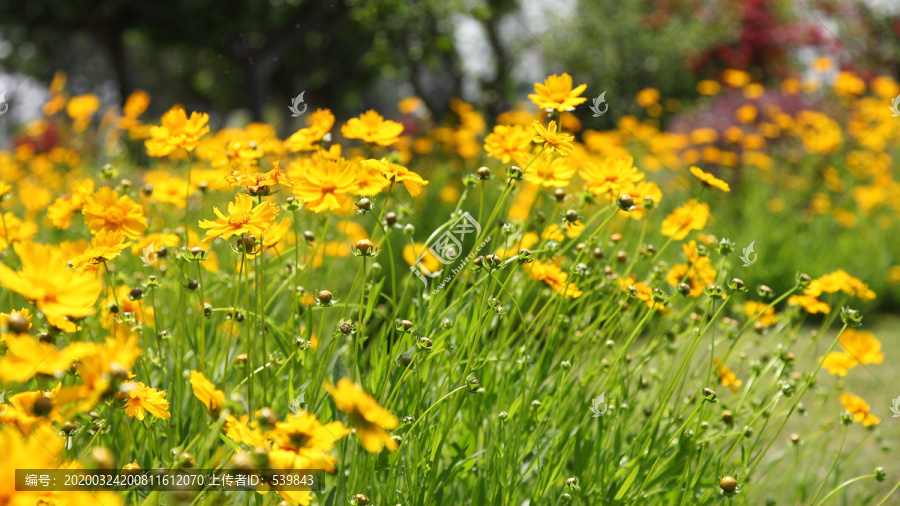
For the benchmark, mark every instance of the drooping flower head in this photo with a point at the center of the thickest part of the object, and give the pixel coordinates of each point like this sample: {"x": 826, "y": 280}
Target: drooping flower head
{"x": 710, "y": 180}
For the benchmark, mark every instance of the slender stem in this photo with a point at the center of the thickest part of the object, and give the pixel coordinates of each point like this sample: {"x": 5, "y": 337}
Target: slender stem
{"x": 833, "y": 464}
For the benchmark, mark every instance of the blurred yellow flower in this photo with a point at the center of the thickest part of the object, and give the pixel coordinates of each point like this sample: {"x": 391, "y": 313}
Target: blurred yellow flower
{"x": 14, "y": 230}
{"x": 557, "y": 173}
{"x": 554, "y": 277}
{"x": 839, "y": 281}
{"x": 373, "y": 128}
{"x": 369, "y": 419}
{"x": 859, "y": 409}
{"x": 647, "y": 97}
{"x": 809, "y": 304}
{"x": 81, "y": 109}
{"x": 690, "y": 216}
{"x": 765, "y": 313}
{"x": 207, "y": 392}
{"x": 46, "y": 281}
{"x": 710, "y": 180}
{"x": 838, "y": 363}
{"x": 508, "y": 142}
{"x": 105, "y": 210}
{"x": 610, "y": 175}
{"x": 727, "y": 377}
{"x": 863, "y": 345}
{"x": 318, "y": 124}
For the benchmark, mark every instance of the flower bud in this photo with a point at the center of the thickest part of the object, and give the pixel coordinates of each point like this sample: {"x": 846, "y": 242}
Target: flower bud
{"x": 709, "y": 395}
{"x": 324, "y": 298}
{"x": 515, "y": 173}
{"x": 483, "y": 173}
{"x": 559, "y": 194}
{"x": 626, "y": 203}
{"x": 728, "y": 485}
{"x": 136, "y": 293}
{"x": 727, "y": 418}
{"x": 803, "y": 280}
{"x": 526, "y": 256}
{"x": 851, "y": 317}
{"x": 765, "y": 292}
{"x": 880, "y": 475}
{"x": 725, "y": 247}
{"x": 363, "y": 206}
{"x": 572, "y": 216}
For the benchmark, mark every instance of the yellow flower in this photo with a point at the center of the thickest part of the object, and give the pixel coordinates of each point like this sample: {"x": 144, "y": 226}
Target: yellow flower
{"x": 697, "y": 276}
{"x": 206, "y": 391}
{"x": 105, "y": 246}
{"x": 837, "y": 281}
{"x": 556, "y": 93}
{"x": 709, "y": 88}
{"x": 106, "y": 211}
{"x": 809, "y": 304}
{"x": 557, "y": 173}
{"x": 5, "y": 189}
{"x": 863, "y": 345}
{"x": 429, "y": 262}
{"x": 610, "y": 175}
{"x": 710, "y": 180}
{"x": 508, "y": 143}
{"x": 647, "y": 97}
{"x": 640, "y": 192}
{"x": 324, "y": 186}
{"x": 727, "y": 378}
{"x": 847, "y": 84}
{"x": 177, "y": 131}
{"x": 141, "y": 399}
{"x": 372, "y": 127}
{"x": 46, "y": 281}
{"x": 308, "y": 440}
{"x": 366, "y": 415}
{"x": 318, "y": 124}
{"x": 838, "y": 363}
{"x": 260, "y": 183}
{"x": 554, "y": 277}
{"x": 556, "y": 141}
{"x": 81, "y": 109}
{"x": 242, "y": 219}
{"x": 393, "y": 172}
{"x": 859, "y": 409}
{"x": 690, "y": 216}
{"x": 16, "y": 229}
{"x": 766, "y": 316}
{"x": 27, "y": 356}
{"x": 736, "y": 78}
